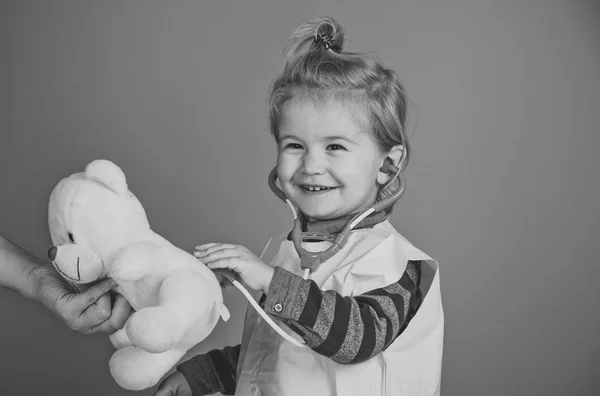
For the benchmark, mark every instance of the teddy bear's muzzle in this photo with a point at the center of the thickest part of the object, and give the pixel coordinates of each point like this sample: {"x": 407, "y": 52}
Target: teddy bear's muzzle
{"x": 77, "y": 263}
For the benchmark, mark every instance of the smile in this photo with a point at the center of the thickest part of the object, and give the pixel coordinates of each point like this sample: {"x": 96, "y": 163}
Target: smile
{"x": 313, "y": 188}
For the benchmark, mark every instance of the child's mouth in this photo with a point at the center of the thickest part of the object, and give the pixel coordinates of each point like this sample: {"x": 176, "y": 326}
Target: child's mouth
{"x": 315, "y": 189}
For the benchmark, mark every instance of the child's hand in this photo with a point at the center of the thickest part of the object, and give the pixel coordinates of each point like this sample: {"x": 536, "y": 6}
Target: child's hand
{"x": 253, "y": 271}
{"x": 224, "y": 277}
{"x": 174, "y": 385}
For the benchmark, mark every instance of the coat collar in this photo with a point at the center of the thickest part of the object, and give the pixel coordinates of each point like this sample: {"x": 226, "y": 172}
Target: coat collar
{"x": 335, "y": 226}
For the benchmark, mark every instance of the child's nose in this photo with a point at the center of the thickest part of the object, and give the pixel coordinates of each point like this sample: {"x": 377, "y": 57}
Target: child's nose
{"x": 313, "y": 164}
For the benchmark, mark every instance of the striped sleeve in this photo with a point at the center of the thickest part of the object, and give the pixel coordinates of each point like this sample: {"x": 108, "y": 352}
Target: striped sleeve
{"x": 212, "y": 372}
{"x": 345, "y": 329}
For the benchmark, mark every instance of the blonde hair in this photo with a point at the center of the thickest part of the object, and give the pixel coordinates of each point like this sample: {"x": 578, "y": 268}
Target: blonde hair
{"x": 317, "y": 67}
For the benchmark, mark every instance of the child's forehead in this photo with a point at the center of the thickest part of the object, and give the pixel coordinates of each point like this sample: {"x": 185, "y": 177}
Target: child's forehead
{"x": 330, "y": 110}
{"x": 352, "y": 100}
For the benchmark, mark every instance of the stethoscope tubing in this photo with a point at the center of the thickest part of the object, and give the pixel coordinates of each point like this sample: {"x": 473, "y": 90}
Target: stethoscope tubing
{"x": 310, "y": 260}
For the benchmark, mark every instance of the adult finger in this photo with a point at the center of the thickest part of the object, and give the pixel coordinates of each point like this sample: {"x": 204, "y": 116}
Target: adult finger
{"x": 91, "y": 315}
{"x": 93, "y": 305}
{"x": 94, "y": 292}
{"x": 120, "y": 313}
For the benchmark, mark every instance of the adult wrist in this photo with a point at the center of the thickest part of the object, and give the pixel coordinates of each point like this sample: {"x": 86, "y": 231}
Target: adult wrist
{"x": 38, "y": 276}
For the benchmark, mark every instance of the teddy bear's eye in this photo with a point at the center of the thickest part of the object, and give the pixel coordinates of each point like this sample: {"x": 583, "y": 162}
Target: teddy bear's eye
{"x": 71, "y": 238}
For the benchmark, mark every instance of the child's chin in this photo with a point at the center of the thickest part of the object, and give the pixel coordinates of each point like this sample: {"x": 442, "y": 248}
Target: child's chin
{"x": 320, "y": 216}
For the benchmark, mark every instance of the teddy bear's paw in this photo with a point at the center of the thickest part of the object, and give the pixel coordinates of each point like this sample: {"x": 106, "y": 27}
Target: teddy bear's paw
{"x": 135, "y": 369}
{"x": 154, "y": 329}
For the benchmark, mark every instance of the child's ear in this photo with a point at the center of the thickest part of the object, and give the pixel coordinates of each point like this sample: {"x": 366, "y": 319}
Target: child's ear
{"x": 395, "y": 154}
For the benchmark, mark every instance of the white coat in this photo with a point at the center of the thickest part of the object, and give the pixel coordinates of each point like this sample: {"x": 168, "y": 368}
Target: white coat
{"x": 373, "y": 258}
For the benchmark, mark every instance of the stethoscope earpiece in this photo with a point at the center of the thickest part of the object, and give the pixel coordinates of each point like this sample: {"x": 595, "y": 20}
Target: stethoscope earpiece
{"x": 388, "y": 166}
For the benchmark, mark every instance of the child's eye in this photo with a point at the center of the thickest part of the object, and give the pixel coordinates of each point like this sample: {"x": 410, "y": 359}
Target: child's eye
{"x": 336, "y": 147}
{"x": 293, "y": 146}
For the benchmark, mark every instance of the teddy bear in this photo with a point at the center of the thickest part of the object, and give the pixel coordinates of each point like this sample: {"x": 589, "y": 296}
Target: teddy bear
{"x": 99, "y": 229}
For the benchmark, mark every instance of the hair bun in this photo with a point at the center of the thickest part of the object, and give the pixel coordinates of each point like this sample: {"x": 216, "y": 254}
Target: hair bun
{"x": 328, "y": 35}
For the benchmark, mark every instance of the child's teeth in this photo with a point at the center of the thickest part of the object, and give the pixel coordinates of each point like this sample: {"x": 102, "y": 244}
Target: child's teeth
{"x": 315, "y": 188}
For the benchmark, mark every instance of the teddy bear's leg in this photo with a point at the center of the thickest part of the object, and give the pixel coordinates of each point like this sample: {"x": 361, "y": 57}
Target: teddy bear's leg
{"x": 119, "y": 339}
{"x": 184, "y": 300}
{"x": 154, "y": 329}
{"x": 135, "y": 369}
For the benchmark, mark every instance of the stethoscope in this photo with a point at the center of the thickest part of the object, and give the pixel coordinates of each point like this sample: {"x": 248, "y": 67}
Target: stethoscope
{"x": 309, "y": 261}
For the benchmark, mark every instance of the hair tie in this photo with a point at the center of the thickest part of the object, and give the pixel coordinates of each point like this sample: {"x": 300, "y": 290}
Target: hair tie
{"x": 324, "y": 38}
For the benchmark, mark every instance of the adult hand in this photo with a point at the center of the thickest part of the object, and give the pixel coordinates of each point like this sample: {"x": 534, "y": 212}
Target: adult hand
{"x": 89, "y": 311}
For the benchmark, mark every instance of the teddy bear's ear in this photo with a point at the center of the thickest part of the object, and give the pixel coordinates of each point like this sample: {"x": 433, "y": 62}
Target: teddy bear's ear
{"x": 107, "y": 173}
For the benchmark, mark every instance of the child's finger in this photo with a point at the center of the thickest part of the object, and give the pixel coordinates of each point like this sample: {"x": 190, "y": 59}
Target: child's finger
{"x": 213, "y": 245}
{"x": 205, "y": 246}
{"x": 219, "y": 254}
{"x": 209, "y": 247}
{"x": 205, "y": 249}
{"x": 225, "y": 276}
{"x": 215, "y": 248}
{"x": 227, "y": 262}
{"x": 200, "y": 253}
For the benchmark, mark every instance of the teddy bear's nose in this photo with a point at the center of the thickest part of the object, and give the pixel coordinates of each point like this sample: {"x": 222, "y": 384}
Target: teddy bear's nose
{"x": 52, "y": 253}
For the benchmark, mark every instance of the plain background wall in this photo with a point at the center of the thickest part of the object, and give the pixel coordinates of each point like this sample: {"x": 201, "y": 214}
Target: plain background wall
{"x": 503, "y": 188}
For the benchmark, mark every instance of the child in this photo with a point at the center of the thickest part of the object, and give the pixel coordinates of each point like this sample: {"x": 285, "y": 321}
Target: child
{"x": 371, "y": 315}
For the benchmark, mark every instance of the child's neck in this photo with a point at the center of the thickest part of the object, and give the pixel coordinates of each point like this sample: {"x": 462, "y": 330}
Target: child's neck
{"x": 334, "y": 226}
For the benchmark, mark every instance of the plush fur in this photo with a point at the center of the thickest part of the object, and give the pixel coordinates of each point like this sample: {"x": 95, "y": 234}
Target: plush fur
{"x": 99, "y": 229}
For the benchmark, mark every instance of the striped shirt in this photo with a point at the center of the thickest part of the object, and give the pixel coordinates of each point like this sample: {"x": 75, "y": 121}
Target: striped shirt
{"x": 343, "y": 328}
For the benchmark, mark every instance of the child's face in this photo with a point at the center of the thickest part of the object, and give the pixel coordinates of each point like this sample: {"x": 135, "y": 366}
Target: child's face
{"x": 327, "y": 161}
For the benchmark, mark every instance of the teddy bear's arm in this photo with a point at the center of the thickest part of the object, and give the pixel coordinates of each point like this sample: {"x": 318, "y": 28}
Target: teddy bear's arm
{"x": 136, "y": 261}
